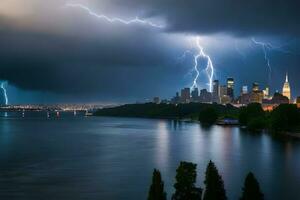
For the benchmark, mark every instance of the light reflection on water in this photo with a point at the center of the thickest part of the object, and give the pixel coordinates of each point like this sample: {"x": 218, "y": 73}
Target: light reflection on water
{"x": 113, "y": 158}
{"x": 162, "y": 139}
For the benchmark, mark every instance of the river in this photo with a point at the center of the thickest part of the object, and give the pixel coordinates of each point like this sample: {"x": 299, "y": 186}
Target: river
{"x": 77, "y": 157}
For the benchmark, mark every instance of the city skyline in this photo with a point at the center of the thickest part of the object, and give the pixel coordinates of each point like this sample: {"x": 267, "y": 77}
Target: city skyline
{"x": 228, "y": 94}
{"x": 106, "y": 51}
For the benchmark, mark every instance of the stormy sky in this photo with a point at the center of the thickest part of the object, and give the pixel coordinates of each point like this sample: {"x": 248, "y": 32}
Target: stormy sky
{"x": 52, "y": 53}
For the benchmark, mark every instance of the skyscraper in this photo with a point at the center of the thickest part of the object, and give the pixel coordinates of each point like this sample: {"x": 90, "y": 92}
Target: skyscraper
{"x": 255, "y": 87}
{"x": 195, "y": 94}
{"x": 176, "y": 99}
{"x": 216, "y": 92}
{"x": 230, "y": 88}
{"x": 245, "y": 89}
{"x": 185, "y": 95}
{"x": 224, "y": 98}
{"x": 205, "y": 96}
{"x": 256, "y": 95}
{"x": 286, "y": 90}
{"x": 266, "y": 93}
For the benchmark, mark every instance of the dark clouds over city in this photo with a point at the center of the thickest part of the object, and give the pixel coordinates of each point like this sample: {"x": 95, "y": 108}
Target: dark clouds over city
{"x": 64, "y": 54}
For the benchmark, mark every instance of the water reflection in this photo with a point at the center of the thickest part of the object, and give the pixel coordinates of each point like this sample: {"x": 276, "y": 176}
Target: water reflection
{"x": 177, "y": 124}
{"x": 266, "y": 154}
{"x": 162, "y": 144}
{"x": 5, "y": 132}
{"x": 197, "y": 145}
{"x": 112, "y": 158}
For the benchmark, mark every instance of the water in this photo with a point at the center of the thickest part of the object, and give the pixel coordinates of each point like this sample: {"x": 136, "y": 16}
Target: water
{"x": 113, "y": 158}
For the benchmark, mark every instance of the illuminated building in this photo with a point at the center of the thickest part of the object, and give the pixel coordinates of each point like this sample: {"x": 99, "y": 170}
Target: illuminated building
{"x": 216, "y": 92}
{"x": 245, "y": 89}
{"x": 224, "y": 98}
{"x": 298, "y": 102}
{"x": 255, "y": 87}
{"x": 286, "y": 90}
{"x": 230, "y": 88}
{"x": 245, "y": 98}
{"x": 266, "y": 93}
{"x": 185, "y": 95}
{"x": 256, "y": 95}
{"x": 279, "y": 99}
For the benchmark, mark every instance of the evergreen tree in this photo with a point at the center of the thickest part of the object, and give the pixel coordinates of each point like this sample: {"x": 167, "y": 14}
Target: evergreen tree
{"x": 156, "y": 191}
{"x": 185, "y": 183}
{"x": 214, "y": 184}
{"x": 251, "y": 189}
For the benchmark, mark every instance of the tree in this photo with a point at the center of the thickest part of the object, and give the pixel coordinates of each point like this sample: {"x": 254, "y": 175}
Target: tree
{"x": 285, "y": 117}
{"x": 256, "y": 124}
{"x": 251, "y": 189}
{"x": 208, "y": 116}
{"x": 185, "y": 188}
{"x": 243, "y": 116}
{"x": 214, "y": 184}
{"x": 156, "y": 191}
{"x": 252, "y": 116}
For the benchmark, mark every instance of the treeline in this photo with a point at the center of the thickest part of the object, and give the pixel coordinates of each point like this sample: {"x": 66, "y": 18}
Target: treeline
{"x": 285, "y": 117}
{"x": 152, "y": 110}
{"x": 186, "y": 189}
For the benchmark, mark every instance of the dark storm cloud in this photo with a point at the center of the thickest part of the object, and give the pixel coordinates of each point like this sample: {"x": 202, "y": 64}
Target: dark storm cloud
{"x": 96, "y": 61}
{"x": 238, "y": 17}
{"x": 66, "y": 51}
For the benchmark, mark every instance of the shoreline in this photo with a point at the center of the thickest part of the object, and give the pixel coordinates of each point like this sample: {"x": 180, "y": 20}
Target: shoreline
{"x": 294, "y": 135}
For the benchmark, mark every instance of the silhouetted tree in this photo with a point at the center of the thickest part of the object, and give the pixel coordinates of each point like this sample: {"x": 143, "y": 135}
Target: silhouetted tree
{"x": 285, "y": 117}
{"x": 252, "y": 116}
{"x": 185, "y": 183}
{"x": 214, "y": 184}
{"x": 156, "y": 191}
{"x": 251, "y": 189}
{"x": 162, "y": 110}
{"x": 208, "y": 116}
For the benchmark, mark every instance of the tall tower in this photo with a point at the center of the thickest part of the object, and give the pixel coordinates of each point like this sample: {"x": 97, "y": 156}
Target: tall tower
{"x": 230, "y": 88}
{"x": 286, "y": 90}
{"x": 216, "y": 92}
{"x": 186, "y": 95}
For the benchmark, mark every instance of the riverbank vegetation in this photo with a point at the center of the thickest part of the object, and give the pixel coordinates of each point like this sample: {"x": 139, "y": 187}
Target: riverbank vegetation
{"x": 185, "y": 185}
{"x": 284, "y": 118}
{"x": 169, "y": 111}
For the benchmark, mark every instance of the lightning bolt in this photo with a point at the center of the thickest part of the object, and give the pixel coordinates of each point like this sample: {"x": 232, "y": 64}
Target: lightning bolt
{"x": 265, "y": 47}
{"x": 209, "y": 66}
{"x": 136, "y": 20}
{"x": 196, "y": 57}
{"x": 3, "y": 87}
{"x": 238, "y": 50}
